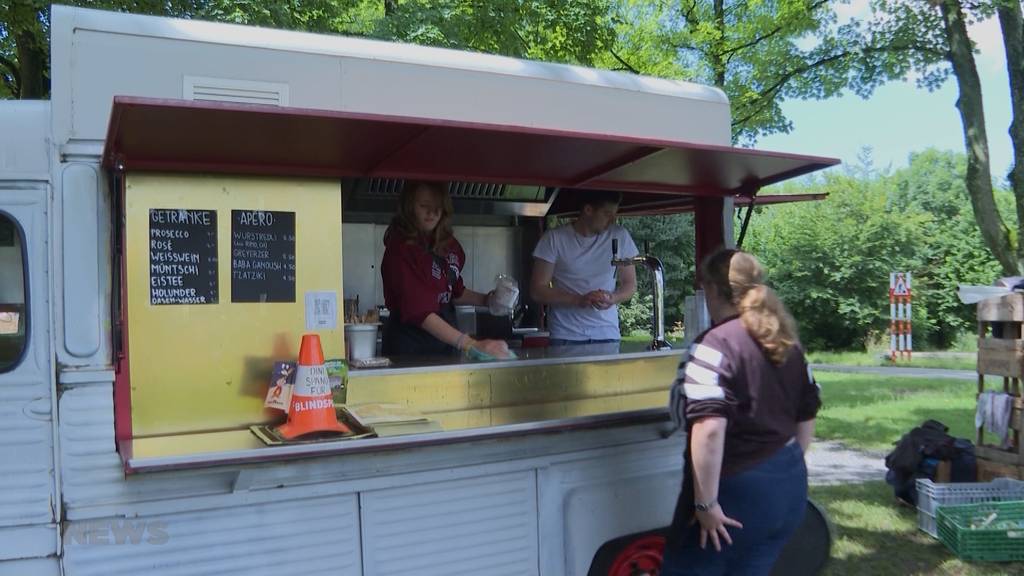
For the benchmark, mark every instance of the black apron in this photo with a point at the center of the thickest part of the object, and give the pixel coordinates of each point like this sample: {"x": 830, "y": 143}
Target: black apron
{"x": 401, "y": 339}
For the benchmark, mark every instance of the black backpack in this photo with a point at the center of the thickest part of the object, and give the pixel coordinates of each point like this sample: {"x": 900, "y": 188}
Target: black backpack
{"x": 918, "y": 452}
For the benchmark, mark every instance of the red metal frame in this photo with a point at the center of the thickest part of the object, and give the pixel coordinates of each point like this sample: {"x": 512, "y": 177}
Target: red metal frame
{"x": 122, "y": 377}
{"x": 256, "y": 139}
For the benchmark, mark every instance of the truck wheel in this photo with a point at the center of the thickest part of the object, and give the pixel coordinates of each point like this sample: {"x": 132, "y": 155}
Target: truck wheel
{"x": 633, "y": 555}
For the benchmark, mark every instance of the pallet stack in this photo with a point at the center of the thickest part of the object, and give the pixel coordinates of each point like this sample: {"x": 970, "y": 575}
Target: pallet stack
{"x": 1001, "y": 354}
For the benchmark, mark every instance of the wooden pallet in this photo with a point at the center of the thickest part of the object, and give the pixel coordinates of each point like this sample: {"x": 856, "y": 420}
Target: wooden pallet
{"x": 1001, "y": 354}
{"x": 988, "y": 471}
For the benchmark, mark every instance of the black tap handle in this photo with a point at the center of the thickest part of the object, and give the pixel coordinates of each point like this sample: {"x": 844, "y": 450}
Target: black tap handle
{"x": 615, "y": 248}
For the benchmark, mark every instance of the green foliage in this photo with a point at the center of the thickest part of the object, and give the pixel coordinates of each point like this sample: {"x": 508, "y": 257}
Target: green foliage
{"x": 830, "y": 261}
{"x": 671, "y": 239}
{"x": 635, "y": 315}
{"x": 759, "y": 53}
{"x": 952, "y": 251}
{"x": 552, "y": 30}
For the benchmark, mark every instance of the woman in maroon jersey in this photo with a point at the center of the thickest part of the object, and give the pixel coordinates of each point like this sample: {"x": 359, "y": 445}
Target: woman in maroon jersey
{"x": 422, "y": 275}
{"x": 748, "y": 400}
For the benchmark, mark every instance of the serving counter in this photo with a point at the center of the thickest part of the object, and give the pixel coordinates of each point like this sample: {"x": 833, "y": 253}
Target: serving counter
{"x": 543, "y": 390}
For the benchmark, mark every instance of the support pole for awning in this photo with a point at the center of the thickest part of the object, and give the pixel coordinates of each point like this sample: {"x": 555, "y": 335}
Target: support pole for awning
{"x": 746, "y": 221}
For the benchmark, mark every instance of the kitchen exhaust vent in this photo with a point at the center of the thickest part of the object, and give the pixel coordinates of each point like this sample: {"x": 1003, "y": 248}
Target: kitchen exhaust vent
{"x": 380, "y": 194}
{"x": 240, "y": 91}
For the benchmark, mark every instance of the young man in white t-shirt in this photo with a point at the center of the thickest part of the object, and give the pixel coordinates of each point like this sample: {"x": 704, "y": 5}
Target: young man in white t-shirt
{"x": 574, "y": 276}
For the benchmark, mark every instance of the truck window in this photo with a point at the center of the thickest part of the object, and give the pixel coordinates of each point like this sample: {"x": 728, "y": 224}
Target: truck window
{"x": 13, "y": 319}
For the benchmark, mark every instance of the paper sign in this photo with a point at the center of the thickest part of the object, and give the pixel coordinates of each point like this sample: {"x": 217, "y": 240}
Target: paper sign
{"x": 321, "y": 310}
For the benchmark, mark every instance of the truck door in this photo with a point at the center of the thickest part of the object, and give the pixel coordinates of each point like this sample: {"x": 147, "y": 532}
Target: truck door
{"x": 29, "y": 507}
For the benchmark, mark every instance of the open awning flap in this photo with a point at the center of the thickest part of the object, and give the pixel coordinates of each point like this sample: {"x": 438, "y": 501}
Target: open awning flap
{"x": 148, "y": 134}
{"x": 652, "y": 205}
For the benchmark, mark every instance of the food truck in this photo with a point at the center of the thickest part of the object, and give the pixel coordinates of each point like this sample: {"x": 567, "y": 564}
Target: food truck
{"x": 195, "y": 197}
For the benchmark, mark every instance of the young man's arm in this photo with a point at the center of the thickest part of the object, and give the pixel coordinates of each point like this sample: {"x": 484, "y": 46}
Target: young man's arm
{"x": 626, "y": 285}
{"x": 543, "y": 292}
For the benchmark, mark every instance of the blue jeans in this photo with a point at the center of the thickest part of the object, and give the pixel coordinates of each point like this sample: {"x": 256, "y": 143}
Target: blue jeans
{"x": 769, "y": 500}
{"x": 564, "y": 342}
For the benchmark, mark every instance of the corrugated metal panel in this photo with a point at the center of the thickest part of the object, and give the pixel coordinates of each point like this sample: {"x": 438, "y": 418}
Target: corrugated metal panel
{"x": 661, "y": 456}
{"x": 35, "y": 567}
{"x": 484, "y": 525}
{"x": 24, "y": 542}
{"x": 90, "y": 467}
{"x": 307, "y": 537}
{"x": 27, "y": 456}
{"x": 26, "y": 405}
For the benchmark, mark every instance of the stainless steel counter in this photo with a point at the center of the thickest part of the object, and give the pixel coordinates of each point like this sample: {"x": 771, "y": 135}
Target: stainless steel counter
{"x": 543, "y": 390}
{"x": 551, "y": 355}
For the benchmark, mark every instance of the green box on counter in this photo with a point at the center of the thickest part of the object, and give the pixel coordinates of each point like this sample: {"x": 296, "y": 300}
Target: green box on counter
{"x": 337, "y": 373}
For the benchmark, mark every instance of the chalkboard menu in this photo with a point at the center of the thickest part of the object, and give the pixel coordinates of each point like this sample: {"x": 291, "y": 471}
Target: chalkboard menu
{"x": 262, "y": 256}
{"x": 182, "y": 256}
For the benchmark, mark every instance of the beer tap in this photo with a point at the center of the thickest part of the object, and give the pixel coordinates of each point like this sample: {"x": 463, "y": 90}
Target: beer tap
{"x": 653, "y": 264}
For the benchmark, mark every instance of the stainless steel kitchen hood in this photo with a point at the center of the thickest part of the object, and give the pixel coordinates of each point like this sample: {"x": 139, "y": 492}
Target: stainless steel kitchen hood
{"x": 380, "y": 195}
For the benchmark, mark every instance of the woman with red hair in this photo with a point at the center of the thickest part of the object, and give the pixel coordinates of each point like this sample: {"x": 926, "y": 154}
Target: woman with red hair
{"x": 422, "y": 275}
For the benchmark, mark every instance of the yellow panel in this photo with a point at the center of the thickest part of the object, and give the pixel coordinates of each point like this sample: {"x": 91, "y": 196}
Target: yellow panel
{"x": 491, "y": 396}
{"x": 206, "y": 367}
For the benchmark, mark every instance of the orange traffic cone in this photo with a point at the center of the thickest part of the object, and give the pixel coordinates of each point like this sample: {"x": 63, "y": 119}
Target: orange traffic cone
{"x": 312, "y": 407}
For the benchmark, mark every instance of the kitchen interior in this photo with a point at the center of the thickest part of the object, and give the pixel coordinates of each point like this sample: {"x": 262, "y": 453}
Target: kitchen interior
{"x": 498, "y": 226}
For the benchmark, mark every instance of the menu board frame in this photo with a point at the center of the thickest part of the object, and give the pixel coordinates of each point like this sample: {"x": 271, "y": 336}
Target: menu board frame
{"x": 184, "y": 260}
{"x": 263, "y": 257}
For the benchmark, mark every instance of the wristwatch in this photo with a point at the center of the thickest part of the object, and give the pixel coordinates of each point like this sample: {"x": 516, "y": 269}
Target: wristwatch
{"x": 706, "y": 506}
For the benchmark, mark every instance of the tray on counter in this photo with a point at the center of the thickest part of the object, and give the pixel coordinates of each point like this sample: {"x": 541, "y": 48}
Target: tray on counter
{"x": 270, "y": 436}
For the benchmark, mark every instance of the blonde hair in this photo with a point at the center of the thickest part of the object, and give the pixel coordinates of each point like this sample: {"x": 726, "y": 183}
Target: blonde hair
{"x": 739, "y": 278}
{"x": 404, "y": 221}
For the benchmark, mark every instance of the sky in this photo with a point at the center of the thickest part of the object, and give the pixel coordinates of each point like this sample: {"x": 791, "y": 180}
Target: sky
{"x": 900, "y": 118}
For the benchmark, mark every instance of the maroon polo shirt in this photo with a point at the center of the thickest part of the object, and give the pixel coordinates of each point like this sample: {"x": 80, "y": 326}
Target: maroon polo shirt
{"x": 727, "y": 374}
{"x": 415, "y": 282}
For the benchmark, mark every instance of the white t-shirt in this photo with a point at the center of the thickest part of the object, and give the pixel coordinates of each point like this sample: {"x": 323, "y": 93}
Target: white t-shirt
{"x": 583, "y": 264}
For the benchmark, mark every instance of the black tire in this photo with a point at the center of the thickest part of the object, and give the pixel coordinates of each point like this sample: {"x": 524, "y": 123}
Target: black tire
{"x": 808, "y": 551}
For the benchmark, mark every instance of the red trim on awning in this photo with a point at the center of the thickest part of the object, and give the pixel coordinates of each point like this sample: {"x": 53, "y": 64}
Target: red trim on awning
{"x": 186, "y": 136}
{"x": 633, "y": 206}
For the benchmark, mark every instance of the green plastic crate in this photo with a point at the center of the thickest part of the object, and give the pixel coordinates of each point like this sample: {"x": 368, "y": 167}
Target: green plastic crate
{"x": 1001, "y": 540}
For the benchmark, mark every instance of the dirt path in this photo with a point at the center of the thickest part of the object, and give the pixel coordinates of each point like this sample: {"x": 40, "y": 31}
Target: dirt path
{"x": 830, "y": 463}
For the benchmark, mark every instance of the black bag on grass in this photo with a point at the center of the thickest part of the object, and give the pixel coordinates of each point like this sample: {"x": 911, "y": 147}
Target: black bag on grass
{"x": 918, "y": 453}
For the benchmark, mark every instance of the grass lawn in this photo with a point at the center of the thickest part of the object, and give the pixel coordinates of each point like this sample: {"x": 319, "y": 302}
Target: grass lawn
{"x": 871, "y": 412}
{"x": 676, "y": 342}
{"x": 874, "y": 537}
{"x": 875, "y": 359}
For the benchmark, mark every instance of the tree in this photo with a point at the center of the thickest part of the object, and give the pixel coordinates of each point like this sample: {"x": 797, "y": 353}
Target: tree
{"x": 756, "y": 52}
{"x": 952, "y": 250}
{"x": 671, "y": 239}
{"x": 937, "y": 44}
{"x": 25, "y": 44}
{"x": 571, "y": 31}
{"x": 830, "y": 261}
{"x": 554, "y": 30}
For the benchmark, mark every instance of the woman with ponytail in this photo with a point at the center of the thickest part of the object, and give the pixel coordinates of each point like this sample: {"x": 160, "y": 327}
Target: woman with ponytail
{"x": 748, "y": 400}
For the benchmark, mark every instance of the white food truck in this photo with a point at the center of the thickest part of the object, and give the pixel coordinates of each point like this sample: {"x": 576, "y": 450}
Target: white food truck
{"x": 142, "y": 306}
